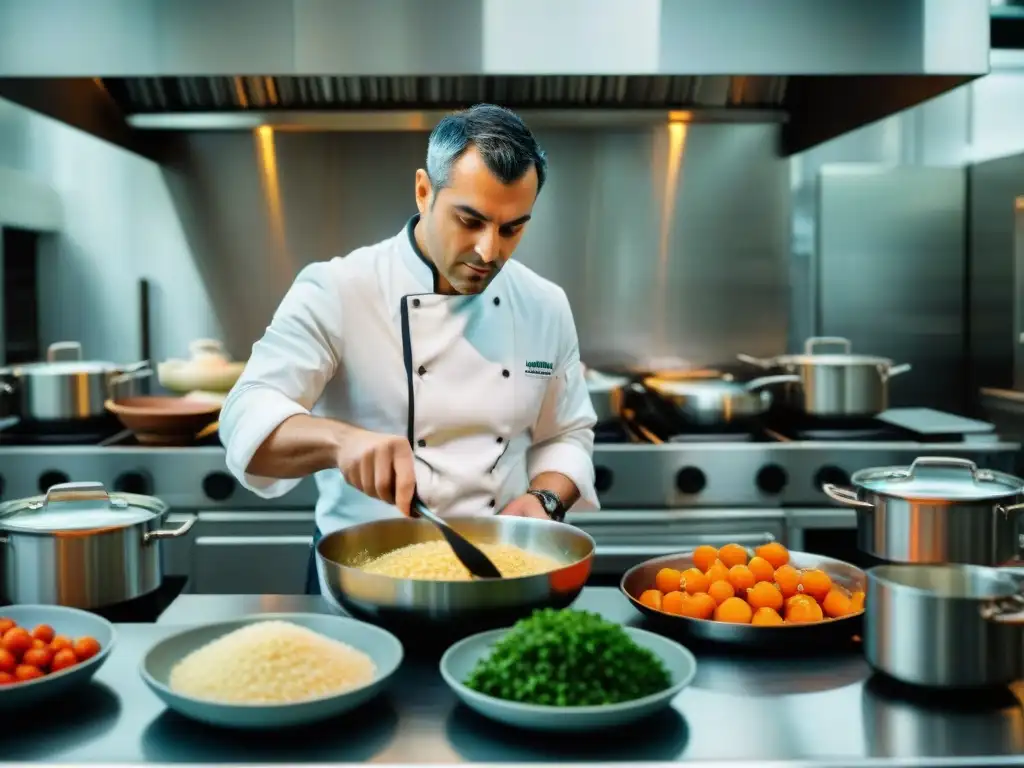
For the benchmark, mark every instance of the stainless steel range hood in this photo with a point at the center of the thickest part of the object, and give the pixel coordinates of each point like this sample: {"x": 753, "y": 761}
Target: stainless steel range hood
{"x": 124, "y": 69}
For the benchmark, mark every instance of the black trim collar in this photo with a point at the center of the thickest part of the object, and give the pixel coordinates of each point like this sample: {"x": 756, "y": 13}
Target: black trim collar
{"x": 434, "y": 274}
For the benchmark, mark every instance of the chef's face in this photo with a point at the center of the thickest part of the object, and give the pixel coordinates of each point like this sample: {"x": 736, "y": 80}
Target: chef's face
{"x": 472, "y": 225}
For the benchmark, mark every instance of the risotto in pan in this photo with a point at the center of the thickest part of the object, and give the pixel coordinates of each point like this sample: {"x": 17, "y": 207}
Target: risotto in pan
{"x": 435, "y": 561}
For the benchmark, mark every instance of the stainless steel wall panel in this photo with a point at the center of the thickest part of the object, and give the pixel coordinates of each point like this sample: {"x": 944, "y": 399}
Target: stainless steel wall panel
{"x": 891, "y": 263}
{"x": 669, "y": 242}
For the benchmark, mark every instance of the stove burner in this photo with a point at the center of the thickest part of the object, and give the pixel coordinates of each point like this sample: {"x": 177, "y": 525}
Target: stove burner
{"x": 712, "y": 437}
{"x": 28, "y": 439}
{"x": 859, "y": 435}
{"x": 117, "y": 437}
{"x": 800, "y": 426}
{"x": 146, "y": 609}
{"x": 13, "y": 431}
{"x": 127, "y": 439}
{"x": 612, "y": 432}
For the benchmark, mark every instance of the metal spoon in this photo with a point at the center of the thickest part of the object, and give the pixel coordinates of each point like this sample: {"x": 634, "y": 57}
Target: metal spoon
{"x": 476, "y": 562}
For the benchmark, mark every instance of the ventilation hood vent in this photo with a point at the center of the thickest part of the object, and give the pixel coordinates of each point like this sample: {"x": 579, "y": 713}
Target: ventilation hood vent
{"x": 214, "y": 94}
{"x": 129, "y": 69}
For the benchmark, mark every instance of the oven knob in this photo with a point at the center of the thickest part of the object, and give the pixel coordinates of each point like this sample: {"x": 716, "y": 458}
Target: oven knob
{"x": 218, "y": 486}
{"x": 832, "y": 475}
{"x": 690, "y": 480}
{"x": 603, "y": 478}
{"x": 772, "y": 478}
{"x": 49, "y": 479}
{"x": 133, "y": 482}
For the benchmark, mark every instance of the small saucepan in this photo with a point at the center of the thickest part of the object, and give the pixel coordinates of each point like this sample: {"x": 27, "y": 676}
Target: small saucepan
{"x": 714, "y": 402}
{"x": 835, "y": 385}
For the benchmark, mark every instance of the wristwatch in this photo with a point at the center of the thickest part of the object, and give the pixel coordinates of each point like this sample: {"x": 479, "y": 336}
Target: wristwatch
{"x": 551, "y": 503}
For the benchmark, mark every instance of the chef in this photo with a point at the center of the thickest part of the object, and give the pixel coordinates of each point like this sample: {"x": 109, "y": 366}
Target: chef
{"x": 428, "y": 363}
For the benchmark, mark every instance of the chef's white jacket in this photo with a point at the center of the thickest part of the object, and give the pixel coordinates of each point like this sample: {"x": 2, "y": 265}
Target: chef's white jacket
{"x": 488, "y": 388}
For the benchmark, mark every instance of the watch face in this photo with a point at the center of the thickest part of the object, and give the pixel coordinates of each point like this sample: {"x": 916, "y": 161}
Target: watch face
{"x": 552, "y": 505}
{"x": 547, "y": 500}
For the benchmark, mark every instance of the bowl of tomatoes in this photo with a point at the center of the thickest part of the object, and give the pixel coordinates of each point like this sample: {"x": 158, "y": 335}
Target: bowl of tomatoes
{"x": 770, "y": 597}
{"x": 47, "y": 650}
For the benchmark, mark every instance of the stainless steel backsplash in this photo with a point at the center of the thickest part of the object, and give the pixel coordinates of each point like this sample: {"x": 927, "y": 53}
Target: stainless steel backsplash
{"x": 670, "y": 242}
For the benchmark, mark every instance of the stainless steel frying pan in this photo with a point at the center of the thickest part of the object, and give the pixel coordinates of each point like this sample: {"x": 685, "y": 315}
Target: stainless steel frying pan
{"x": 712, "y": 402}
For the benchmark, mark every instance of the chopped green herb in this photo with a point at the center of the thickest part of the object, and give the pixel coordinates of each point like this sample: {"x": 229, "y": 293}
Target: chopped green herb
{"x": 568, "y": 659}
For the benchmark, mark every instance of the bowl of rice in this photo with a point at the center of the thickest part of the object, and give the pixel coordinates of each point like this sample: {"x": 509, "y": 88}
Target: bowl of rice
{"x": 271, "y": 670}
{"x": 402, "y": 574}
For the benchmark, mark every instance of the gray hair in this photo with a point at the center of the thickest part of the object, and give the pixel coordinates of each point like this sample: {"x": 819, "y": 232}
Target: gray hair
{"x": 502, "y": 138}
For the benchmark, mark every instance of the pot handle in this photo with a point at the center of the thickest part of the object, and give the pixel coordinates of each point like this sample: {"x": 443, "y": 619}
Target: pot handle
{"x": 896, "y": 370}
{"x": 1005, "y": 610}
{"x": 181, "y": 530}
{"x": 819, "y": 341}
{"x": 947, "y": 462}
{"x": 88, "y": 495}
{"x": 755, "y": 361}
{"x": 63, "y": 350}
{"x": 845, "y": 496}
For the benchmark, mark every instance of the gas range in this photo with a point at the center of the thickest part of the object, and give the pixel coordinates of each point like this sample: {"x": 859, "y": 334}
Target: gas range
{"x": 781, "y": 461}
{"x": 662, "y": 490}
{"x": 640, "y": 465}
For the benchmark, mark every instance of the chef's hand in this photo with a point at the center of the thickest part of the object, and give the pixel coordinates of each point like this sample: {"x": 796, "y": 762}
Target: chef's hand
{"x": 381, "y": 466}
{"x": 525, "y": 506}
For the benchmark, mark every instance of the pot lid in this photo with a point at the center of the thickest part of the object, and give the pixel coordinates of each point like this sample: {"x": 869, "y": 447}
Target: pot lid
{"x": 939, "y": 477}
{"x": 64, "y": 358}
{"x": 832, "y": 359}
{"x": 843, "y": 357}
{"x": 78, "y": 507}
{"x": 63, "y": 367}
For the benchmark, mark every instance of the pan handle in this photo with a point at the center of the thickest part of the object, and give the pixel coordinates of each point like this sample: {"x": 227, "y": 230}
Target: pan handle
{"x": 115, "y": 382}
{"x": 758, "y": 362}
{"x": 896, "y": 370}
{"x": 767, "y": 381}
{"x": 819, "y": 341}
{"x": 845, "y": 496}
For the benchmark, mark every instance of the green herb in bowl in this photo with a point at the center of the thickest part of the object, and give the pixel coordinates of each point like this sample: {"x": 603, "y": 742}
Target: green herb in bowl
{"x": 568, "y": 659}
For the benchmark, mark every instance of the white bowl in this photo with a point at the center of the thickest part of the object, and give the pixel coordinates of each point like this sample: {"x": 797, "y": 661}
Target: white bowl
{"x": 380, "y": 645}
{"x": 459, "y": 660}
{"x": 72, "y": 622}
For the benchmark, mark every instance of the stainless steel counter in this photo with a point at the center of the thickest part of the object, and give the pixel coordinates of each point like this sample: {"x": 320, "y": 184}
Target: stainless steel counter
{"x": 740, "y": 708}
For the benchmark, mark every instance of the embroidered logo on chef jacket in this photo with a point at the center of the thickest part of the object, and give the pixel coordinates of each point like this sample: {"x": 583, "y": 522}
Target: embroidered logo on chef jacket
{"x": 539, "y": 369}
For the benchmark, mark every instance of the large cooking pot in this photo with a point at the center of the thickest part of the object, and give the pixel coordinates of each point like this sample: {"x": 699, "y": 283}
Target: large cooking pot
{"x": 81, "y": 547}
{"x": 937, "y": 510}
{"x": 833, "y": 385}
{"x": 453, "y": 608}
{"x": 955, "y": 626}
{"x": 67, "y": 390}
{"x": 714, "y": 402}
